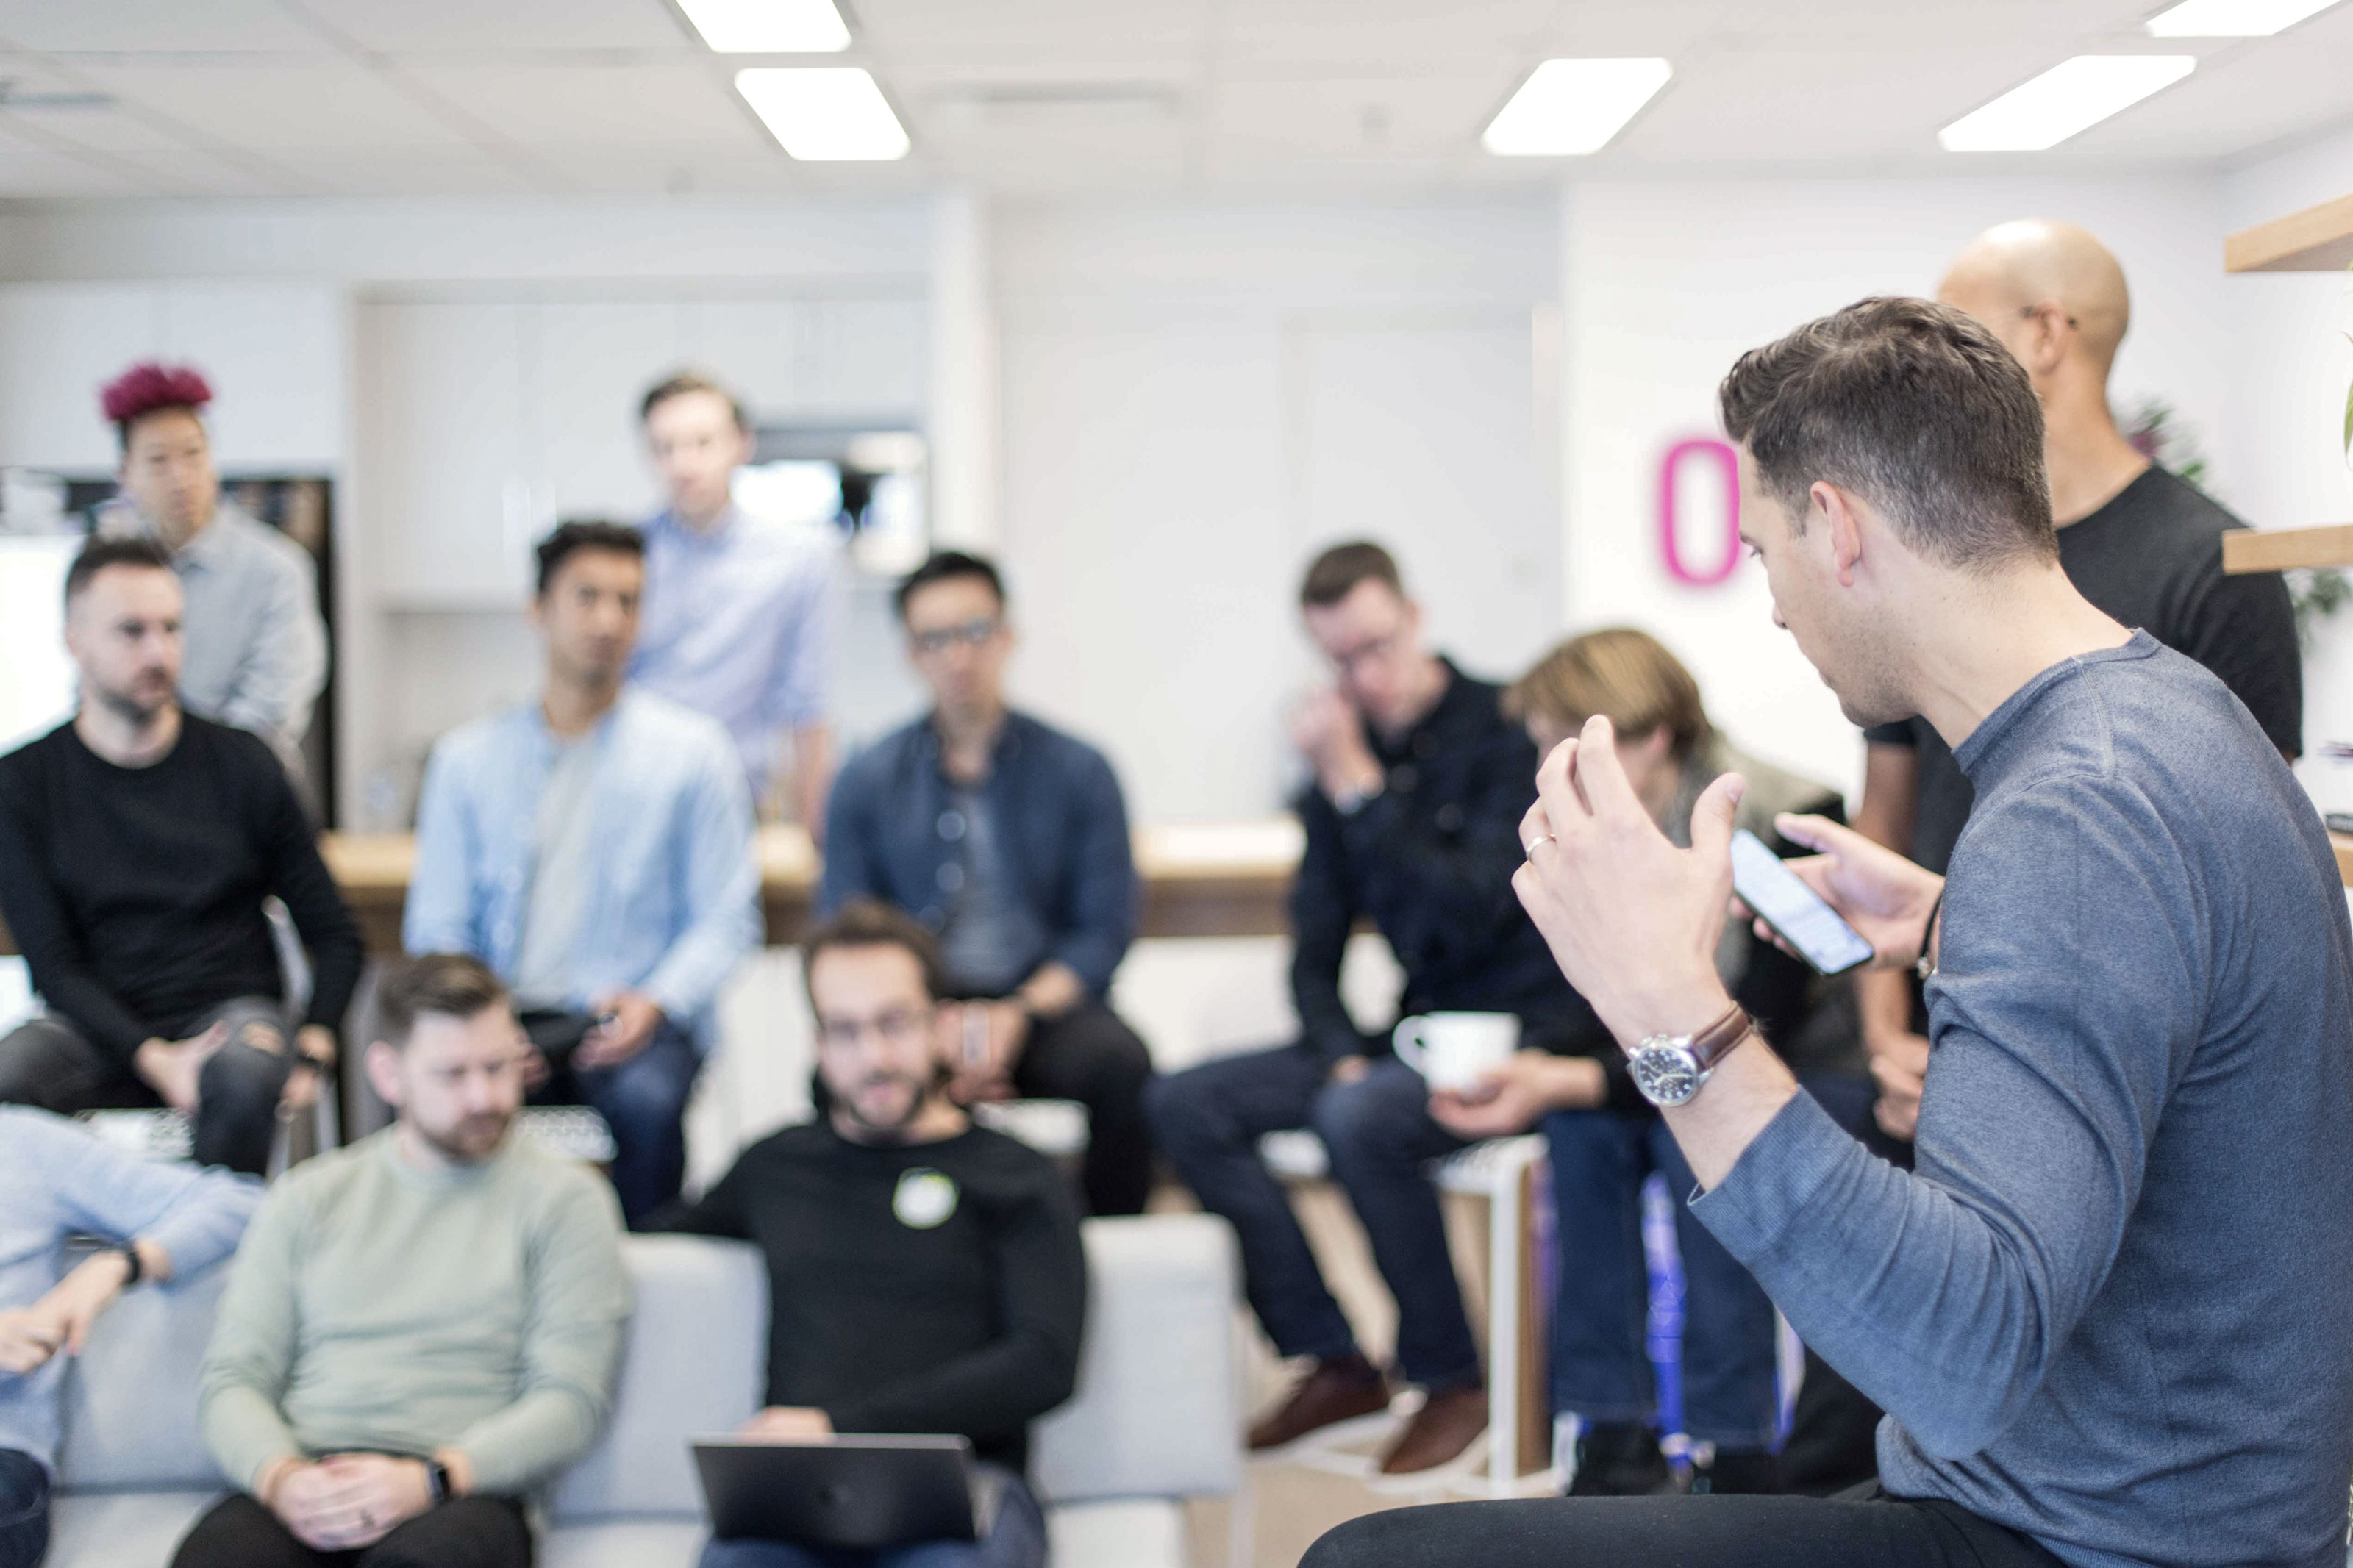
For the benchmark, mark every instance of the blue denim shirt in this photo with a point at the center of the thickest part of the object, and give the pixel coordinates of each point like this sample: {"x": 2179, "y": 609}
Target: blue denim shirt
{"x": 890, "y": 833}
{"x": 58, "y": 1180}
{"x": 674, "y": 897}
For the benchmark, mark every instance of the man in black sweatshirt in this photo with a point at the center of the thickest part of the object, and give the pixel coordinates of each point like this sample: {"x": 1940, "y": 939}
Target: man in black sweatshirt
{"x": 924, "y": 1274}
{"x": 138, "y": 844}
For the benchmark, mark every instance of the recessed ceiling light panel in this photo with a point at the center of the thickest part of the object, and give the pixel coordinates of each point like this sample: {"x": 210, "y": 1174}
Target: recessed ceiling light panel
{"x": 2071, "y": 97}
{"x": 1568, "y": 106}
{"x": 832, "y": 113}
{"x": 768, "y": 26}
{"x": 2232, "y": 18}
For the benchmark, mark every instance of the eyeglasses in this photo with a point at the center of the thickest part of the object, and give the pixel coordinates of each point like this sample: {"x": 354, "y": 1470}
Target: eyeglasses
{"x": 1377, "y": 650}
{"x": 972, "y": 635}
{"x": 898, "y": 1027}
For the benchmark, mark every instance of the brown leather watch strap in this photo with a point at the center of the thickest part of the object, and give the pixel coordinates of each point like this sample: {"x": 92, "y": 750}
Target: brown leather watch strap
{"x": 1716, "y": 1042}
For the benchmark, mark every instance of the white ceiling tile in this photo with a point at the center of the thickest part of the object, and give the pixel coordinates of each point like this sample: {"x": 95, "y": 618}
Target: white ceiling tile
{"x": 272, "y": 107}
{"x": 644, "y": 106}
{"x": 30, "y": 169}
{"x": 1372, "y": 119}
{"x": 439, "y": 26}
{"x": 163, "y": 27}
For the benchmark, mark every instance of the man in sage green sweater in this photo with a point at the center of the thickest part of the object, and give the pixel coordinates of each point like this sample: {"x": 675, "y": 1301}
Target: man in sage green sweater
{"x": 421, "y": 1327}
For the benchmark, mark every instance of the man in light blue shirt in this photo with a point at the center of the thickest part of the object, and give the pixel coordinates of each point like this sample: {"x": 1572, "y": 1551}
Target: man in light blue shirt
{"x": 739, "y": 609}
{"x": 158, "y": 1221}
{"x": 595, "y": 848}
{"x": 257, "y": 647}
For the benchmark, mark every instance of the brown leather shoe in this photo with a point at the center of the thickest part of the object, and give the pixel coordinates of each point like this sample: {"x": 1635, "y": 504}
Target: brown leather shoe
{"x": 1440, "y": 1431}
{"x": 1332, "y": 1391}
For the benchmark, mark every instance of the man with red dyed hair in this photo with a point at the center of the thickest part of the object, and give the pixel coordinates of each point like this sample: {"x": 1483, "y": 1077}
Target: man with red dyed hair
{"x": 256, "y": 647}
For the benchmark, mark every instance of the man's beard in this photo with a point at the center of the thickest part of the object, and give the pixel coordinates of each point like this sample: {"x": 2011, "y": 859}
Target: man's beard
{"x": 895, "y": 1129}
{"x": 128, "y": 707}
{"x": 455, "y": 1144}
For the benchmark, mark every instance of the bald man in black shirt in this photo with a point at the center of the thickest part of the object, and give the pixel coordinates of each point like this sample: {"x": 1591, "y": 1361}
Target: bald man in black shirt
{"x": 924, "y": 1274}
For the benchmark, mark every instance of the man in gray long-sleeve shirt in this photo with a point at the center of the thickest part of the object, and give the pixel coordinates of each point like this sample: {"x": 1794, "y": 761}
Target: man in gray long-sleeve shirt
{"x": 2110, "y": 1315}
{"x": 159, "y": 1222}
{"x": 421, "y": 1327}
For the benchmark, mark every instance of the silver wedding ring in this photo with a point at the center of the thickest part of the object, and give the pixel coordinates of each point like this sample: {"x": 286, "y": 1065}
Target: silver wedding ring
{"x": 1530, "y": 849}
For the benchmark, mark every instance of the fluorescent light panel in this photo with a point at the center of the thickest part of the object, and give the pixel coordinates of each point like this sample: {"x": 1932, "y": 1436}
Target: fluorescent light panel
{"x": 831, "y": 113}
{"x": 2232, "y": 18}
{"x": 768, "y": 26}
{"x": 1568, "y": 106}
{"x": 2071, "y": 97}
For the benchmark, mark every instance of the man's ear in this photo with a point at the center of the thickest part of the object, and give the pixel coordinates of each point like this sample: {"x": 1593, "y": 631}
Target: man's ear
{"x": 1837, "y": 514}
{"x": 383, "y": 1063}
{"x": 2049, "y": 331}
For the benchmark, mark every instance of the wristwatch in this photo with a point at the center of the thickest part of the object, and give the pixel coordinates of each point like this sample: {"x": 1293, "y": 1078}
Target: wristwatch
{"x": 129, "y": 1254}
{"x": 1670, "y": 1068}
{"x": 436, "y": 1481}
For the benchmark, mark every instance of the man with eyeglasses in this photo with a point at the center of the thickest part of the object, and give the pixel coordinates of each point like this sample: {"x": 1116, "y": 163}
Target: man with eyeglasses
{"x": 1412, "y": 818}
{"x": 1008, "y": 839}
{"x": 925, "y": 1275}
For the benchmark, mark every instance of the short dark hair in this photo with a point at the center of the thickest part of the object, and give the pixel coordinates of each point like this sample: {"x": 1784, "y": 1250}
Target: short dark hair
{"x": 1913, "y": 406}
{"x": 944, "y": 566}
{"x": 692, "y": 381}
{"x": 105, "y": 550}
{"x": 452, "y": 985}
{"x": 569, "y": 537}
{"x": 1339, "y": 570}
{"x": 871, "y": 922}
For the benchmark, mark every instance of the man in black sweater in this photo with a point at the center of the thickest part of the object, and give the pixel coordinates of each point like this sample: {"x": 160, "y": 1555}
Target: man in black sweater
{"x": 924, "y": 1274}
{"x": 1412, "y": 822}
{"x": 138, "y": 844}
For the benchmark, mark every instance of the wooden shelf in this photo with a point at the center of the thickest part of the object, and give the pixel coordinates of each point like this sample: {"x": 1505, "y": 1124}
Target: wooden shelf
{"x": 2343, "y": 844}
{"x": 2317, "y": 239}
{"x": 2281, "y": 548}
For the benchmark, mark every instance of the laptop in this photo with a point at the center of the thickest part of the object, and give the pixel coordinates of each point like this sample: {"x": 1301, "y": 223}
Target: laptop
{"x": 862, "y": 1493}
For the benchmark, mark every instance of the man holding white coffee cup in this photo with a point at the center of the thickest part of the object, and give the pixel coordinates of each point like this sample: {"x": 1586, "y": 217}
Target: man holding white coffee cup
{"x": 1606, "y": 1140}
{"x": 1412, "y": 822}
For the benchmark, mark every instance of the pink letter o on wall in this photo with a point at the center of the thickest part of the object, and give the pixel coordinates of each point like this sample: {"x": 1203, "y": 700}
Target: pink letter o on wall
{"x": 1681, "y": 456}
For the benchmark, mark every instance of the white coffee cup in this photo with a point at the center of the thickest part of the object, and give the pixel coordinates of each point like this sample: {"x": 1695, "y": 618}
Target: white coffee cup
{"x": 1455, "y": 1050}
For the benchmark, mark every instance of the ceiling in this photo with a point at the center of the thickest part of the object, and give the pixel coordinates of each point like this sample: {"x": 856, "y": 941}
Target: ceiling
{"x": 143, "y": 98}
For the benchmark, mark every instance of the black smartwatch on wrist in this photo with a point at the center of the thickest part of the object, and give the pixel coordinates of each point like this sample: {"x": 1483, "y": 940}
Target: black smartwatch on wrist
{"x": 130, "y": 1255}
{"x": 436, "y": 1481}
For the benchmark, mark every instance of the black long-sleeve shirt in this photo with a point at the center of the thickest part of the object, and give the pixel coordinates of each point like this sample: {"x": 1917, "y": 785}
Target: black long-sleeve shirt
{"x": 935, "y": 1288}
{"x": 135, "y": 894}
{"x": 1430, "y": 861}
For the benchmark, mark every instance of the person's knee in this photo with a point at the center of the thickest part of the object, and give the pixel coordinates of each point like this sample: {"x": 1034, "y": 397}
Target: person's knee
{"x": 1384, "y": 1539}
{"x": 1185, "y": 1113}
{"x": 1378, "y": 1116}
{"x": 243, "y": 1079}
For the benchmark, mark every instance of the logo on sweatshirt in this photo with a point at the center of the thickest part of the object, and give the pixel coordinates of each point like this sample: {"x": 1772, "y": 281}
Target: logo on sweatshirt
{"x": 925, "y": 1198}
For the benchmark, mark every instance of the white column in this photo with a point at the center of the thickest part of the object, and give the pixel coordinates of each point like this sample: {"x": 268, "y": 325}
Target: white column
{"x": 962, "y": 395}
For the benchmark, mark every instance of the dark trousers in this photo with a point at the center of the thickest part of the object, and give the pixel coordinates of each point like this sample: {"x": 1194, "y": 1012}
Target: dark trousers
{"x": 471, "y": 1533}
{"x": 1091, "y": 1056}
{"x": 1874, "y": 1531}
{"x": 1017, "y": 1540}
{"x": 1379, "y": 1135}
{"x": 51, "y": 1064}
{"x": 1600, "y": 1369}
{"x": 643, "y": 1100}
{"x": 24, "y": 1509}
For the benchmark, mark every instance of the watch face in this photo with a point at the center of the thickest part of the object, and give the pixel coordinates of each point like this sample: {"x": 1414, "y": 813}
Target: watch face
{"x": 1666, "y": 1074}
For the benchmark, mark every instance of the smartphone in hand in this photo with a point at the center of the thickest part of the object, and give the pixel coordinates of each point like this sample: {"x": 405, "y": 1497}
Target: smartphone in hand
{"x": 1798, "y": 915}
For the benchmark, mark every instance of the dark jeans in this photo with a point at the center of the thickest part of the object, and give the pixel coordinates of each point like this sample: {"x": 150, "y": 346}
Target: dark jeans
{"x": 1872, "y": 1531}
{"x": 1601, "y": 1369}
{"x": 1091, "y": 1056}
{"x": 643, "y": 1100}
{"x": 24, "y": 1509}
{"x": 471, "y": 1533}
{"x": 51, "y": 1064}
{"x": 1018, "y": 1540}
{"x": 1379, "y": 1135}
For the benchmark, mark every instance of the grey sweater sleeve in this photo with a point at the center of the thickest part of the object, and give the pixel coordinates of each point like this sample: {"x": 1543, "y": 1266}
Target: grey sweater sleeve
{"x": 1945, "y": 1293}
{"x": 580, "y": 1302}
{"x": 251, "y": 1357}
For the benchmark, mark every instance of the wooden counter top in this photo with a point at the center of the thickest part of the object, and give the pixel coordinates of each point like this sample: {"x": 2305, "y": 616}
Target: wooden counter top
{"x": 1210, "y": 878}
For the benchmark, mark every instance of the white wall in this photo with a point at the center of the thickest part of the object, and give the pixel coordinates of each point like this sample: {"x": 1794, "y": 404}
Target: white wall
{"x": 1665, "y": 283}
{"x": 1195, "y": 399}
{"x": 2284, "y": 430}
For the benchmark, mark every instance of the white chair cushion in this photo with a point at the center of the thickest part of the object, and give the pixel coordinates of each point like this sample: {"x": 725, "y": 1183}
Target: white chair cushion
{"x": 121, "y": 1529}
{"x": 626, "y": 1543}
{"x": 131, "y": 1400}
{"x": 1141, "y": 1534}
